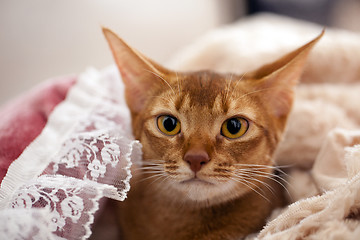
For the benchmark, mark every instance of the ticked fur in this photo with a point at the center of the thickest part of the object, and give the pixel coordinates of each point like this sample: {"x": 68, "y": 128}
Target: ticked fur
{"x": 233, "y": 193}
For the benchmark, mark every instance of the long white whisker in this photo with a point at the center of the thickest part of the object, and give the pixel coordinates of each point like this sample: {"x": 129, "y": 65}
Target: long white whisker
{"x": 178, "y": 82}
{"x": 161, "y": 79}
{"x": 228, "y": 87}
{"x": 260, "y": 166}
{"x": 246, "y": 184}
{"x": 153, "y": 160}
{"x": 165, "y": 178}
{"x": 151, "y": 167}
{"x": 245, "y": 178}
{"x": 261, "y": 182}
{"x": 266, "y": 174}
{"x": 167, "y": 99}
{"x": 270, "y": 176}
{"x": 158, "y": 175}
{"x": 256, "y": 91}
{"x": 237, "y": 82}
{"x": 153, "y": 172}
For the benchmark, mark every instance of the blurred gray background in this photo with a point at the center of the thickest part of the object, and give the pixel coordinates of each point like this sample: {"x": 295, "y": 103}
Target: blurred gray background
{"x": 40, "y": 39}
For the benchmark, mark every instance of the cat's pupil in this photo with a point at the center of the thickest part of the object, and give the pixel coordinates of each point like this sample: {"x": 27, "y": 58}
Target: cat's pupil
{"x": 169, "y": 123}
{"x": 233, "y": 125}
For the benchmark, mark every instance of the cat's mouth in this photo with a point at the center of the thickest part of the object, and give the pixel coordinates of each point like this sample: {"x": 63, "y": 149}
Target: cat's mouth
{"x": 196, "y": 180}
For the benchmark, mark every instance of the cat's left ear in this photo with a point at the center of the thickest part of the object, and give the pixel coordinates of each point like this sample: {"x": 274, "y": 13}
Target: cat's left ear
{"x": 276, "y": 81}
{"x": 139, "y": 73}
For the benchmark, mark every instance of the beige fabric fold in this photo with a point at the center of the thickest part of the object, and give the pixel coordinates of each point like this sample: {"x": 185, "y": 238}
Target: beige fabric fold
{"x": 334, "y": 214}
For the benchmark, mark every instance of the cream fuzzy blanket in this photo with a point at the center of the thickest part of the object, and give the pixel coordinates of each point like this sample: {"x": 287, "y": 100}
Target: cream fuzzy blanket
{"x": 321, "y": 145}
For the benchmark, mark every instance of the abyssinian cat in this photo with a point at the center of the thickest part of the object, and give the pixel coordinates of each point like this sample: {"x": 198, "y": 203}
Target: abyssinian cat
{"x": 208, "y": 141}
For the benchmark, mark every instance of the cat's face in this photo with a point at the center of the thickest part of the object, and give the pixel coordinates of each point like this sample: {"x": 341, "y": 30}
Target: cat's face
{"x": 207, "y": 137}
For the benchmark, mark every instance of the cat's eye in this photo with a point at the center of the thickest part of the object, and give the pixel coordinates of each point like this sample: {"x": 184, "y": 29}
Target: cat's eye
{"x": 169, "y": 125}
{"x": 234, "y": 127}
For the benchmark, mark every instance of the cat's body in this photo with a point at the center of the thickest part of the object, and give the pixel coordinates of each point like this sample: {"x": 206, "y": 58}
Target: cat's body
{"x": 208, "y": 141}
{"x": 169, "y": 220}
{"x": 215, "y": 213}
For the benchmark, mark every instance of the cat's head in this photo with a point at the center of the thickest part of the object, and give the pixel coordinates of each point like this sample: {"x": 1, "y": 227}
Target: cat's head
{"x": 207, "y": 137}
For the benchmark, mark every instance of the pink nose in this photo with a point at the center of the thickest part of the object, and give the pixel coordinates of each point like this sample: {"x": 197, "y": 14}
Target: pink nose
{"x": 196, "y": 159}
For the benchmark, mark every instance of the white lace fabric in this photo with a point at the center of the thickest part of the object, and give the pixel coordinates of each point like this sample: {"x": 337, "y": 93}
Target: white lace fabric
{"x": 84, "y": 153}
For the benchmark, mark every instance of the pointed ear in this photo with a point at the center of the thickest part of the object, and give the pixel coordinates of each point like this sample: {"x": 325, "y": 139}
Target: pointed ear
{"x": 276, "y": 81}
{"x": 138, "y": 72}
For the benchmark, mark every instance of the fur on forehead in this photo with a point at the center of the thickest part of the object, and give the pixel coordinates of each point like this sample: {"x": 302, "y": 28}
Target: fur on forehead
{"x": 215, "y": 93}
{"x": 275, "y": 81}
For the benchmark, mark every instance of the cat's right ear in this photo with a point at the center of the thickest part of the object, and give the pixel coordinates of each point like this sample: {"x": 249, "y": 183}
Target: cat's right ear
{"x": 277, "y": 80}
{"x": 137, "y": 71}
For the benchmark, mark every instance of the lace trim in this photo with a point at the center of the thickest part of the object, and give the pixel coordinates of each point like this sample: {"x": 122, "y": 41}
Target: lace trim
{"x": 84, "y": 153}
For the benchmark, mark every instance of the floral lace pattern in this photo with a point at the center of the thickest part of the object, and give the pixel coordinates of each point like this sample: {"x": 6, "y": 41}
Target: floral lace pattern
{"x": 64, "y": 201}
{"x": 91, "y": 161}
{"x": 97, "y": 150}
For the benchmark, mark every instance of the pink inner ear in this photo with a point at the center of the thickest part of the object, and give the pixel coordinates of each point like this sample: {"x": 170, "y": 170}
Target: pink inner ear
{"x": 135, "y": 70}
{"x": 134, "y": 86}
{"x": 135, "y": 99}
{"x": 282, "y": 101}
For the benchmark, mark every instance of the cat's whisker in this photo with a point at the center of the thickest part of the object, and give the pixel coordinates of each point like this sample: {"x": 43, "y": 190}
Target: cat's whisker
{"x": 153, "y": 160}
{"x": 147, "y": 178}
{"x": 279, "y": 169}
{"x": 270, "y": 176}
{"x": 261, "y": 182}
{"x": 156, "y": 74}
{"x": 266, "y": 174}
{"x": 280, "y": 182}
{"x": 247, "y": 178}
{"x": 162, "y": 176}
{"x": 154, "y": 163}
{"x": 153, "y": 171}
{"x": 165, "y": 178}
{"x": 260, "y": 166}
{"x": 155, "y": 167}
{"x": 227, "y": 88}
{"x": 255, "y": 91}
{"x": 257, "y": 165}
{"x": 178, "y": 82}
{"x": 259, "y": 172}
{"x": 246, "y": 184}
{"x": 165, "y": 98}
{"x": 237, "y": 82}
{"x": 149, "y": 165}
{"x": 146, "y": 170}
{"x": 156, "y": 176}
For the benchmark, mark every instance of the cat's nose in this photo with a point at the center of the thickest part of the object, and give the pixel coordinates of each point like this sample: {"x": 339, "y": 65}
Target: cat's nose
{"x": 196, "y": 159}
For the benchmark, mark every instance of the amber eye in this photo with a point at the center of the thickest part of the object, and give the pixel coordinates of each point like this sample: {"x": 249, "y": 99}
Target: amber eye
{"x": 234, "y": 127}
{"x": 169, "y": 125}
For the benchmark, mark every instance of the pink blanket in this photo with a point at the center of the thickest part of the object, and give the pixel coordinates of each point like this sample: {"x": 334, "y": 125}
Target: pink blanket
{"x": 23, "y": 118}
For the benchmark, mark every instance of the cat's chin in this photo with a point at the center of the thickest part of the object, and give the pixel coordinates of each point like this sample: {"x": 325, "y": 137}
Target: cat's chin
{"x": 196, "y": 181}
{"x": 202, "y": 192}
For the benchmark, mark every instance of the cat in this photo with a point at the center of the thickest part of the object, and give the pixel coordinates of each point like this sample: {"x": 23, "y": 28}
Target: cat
{"x": 208, "y": 141}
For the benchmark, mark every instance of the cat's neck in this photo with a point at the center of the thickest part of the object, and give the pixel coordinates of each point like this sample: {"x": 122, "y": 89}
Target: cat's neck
{"x": 194, "y": 218}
